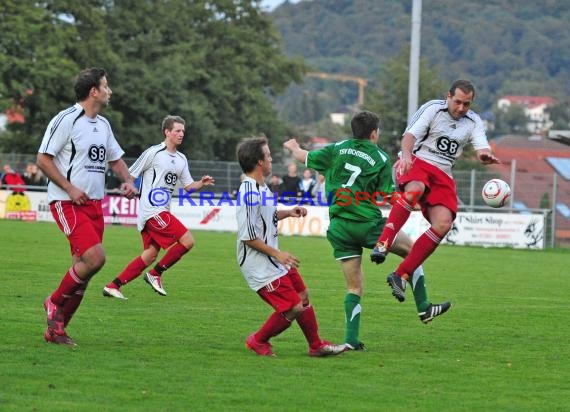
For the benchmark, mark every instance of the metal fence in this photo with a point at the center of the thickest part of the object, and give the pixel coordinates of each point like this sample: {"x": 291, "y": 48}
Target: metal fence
{"x": 532, "y": 193}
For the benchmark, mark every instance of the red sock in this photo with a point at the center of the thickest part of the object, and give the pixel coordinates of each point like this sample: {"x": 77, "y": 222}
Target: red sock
{"x": 132, "y": 271}
{"x": 398, "y": 217}
{"x": 69, "y": 284}
{"x": 308, "y": 323}
{"x": 73, "y": 303}
{"x": 172, "y": 256}
{"x": 273, "y": 326}
{"x": 423, "y": 247}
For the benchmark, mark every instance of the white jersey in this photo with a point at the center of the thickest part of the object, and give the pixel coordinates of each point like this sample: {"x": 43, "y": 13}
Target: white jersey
{"x": 80, "y": 147}
{"x": 160, "y": 171}
{"x": 440, "y": 138}
{"x": 257, "y": 219}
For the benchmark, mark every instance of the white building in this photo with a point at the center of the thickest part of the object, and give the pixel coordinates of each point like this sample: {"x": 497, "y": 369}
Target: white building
{"x": 534, "y": 108}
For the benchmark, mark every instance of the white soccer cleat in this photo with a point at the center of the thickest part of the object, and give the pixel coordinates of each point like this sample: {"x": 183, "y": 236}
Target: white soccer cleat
{"x": 155, "y": 283}
{"x": 113, "y": 293}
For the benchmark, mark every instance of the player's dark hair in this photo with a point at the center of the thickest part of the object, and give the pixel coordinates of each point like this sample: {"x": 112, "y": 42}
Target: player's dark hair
{"x": 168, "y": 122}
{"x": 250, "y": 151}
{"x": 464, "y": 85}
{"x": 363, "y": 123}
{"x": 86, "y": 80}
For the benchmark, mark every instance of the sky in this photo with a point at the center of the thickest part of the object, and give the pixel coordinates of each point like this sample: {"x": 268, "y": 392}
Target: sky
{"x": 271, "y": 4}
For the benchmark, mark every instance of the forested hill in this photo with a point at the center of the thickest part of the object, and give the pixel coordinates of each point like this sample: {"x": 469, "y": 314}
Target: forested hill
{"x": 503, "y": 46}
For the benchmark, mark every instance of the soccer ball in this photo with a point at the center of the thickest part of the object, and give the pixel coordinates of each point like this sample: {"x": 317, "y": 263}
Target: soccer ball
{"x": 496, "y": 192}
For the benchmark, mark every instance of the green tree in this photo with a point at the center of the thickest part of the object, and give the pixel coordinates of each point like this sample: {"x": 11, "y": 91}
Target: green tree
{"x": 35, "y": 69}
{"x": 215, "y": 63}
{"x": 390, "y": 97}
{"x": 510, "y": 120}
{"x": 560, "y": 115}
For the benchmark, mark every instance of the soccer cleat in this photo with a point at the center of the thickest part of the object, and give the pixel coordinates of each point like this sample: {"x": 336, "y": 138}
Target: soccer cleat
{"x": 261, "y": 348}
{"x": 113, "y": 293}
{"x": 155, "y": 283}
{"x": 54, "y": 315}
{"x": 378, "y": 254}
{"x": 433, "y": 311}
{"x": 360, "y": 346}
{"x": 52, "y": 337}
{"x": 398, "y": 285}
{"x": 327, "y": 349}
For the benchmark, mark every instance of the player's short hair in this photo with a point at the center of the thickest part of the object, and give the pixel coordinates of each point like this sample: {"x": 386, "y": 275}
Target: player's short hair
{"x": 168, "y": 122}
{"x": 86, "y": 80}
{"x": 363, "y": 123}
{"x": 464, "y": 85}
{"x": 250, "y": 151}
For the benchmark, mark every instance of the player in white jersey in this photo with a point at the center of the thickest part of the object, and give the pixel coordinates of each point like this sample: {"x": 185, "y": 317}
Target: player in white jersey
{"x": 161, "y": 168}
{"x": 270, "y": 272}
{"x": 432, "y": 142}
{"x": 76, "y": 146}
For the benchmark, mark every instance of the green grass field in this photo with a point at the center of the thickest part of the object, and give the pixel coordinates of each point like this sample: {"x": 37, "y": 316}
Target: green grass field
{"x": 504, "y": 345}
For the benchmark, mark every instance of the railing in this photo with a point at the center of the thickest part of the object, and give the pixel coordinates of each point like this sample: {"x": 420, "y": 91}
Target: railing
{"x": 532, "y": 193}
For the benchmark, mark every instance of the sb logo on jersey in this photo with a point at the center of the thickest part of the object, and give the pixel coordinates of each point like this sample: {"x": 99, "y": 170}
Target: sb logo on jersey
{"x": 446, "y": 145}
{"x": 97, "y": 153}
{"x": 170, "y": 179}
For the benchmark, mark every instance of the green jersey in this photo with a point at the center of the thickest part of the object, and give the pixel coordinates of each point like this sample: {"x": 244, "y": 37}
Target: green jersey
{"x": 358, "y": 178}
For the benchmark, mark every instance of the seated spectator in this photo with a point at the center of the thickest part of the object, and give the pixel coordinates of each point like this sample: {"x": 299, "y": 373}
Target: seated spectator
{"x": 13, "y": 178}
{"x": 33, "y": 176}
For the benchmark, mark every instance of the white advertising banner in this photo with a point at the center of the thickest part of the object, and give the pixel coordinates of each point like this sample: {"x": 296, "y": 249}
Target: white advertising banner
{"x": 521, "y": 231}
{"x": 524, "y": 231}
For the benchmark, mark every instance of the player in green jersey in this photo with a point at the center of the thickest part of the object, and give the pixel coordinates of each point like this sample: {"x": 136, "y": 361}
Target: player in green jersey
{"x": 358, "y": 179}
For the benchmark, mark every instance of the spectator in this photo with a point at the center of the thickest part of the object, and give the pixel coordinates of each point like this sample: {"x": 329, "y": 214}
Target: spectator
{"x": 319, "y": 191}
{"x": 307, "y": 183}
{"x": 291, "y": 182}
{"x": 275, "y": 184}
{"x": 13, "y": 178}
{"x": 33, "y": 176}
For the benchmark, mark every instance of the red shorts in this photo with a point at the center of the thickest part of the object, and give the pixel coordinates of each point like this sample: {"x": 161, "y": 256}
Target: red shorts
{"x": 283, "y": 294}
{"x": 82, "y": 224}
{"x": 162, "y": 231}
{"x": 440, "y": 187}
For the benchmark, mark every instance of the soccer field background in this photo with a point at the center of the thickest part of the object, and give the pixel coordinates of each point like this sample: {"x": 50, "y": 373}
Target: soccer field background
{"x": 503, "y": 346}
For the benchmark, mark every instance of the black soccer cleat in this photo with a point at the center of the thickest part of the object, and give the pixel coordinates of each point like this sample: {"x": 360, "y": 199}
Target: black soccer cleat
{"x": 398, "y": 285}
{"x": 360, "y": 346}
{"x": 433, "y": 311}
{"x": 378, "y": 254}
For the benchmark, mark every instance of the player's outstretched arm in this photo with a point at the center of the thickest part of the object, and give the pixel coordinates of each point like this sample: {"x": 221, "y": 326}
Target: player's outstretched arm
{"x": 206, "y": 180}
{"x": 486, "y": 157}
{"x": 299, "y": 154}
{"x": 297, "y": 211}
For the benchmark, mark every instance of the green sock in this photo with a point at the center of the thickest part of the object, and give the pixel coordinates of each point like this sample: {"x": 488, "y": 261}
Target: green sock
{"x": 420, "y": 290}
{"x": 352, "y": 311}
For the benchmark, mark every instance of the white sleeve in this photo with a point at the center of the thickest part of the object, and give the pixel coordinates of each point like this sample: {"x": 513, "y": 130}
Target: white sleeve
{"x": 141, "y": 164}
{"x": 478, "y": 136}
{"x": 420, "y": 123}
{"x": 114, "y": 151}
{"x": 186, "y": 177}
{"x": 57, "y": 135}
{"x": 248, "y": 212}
